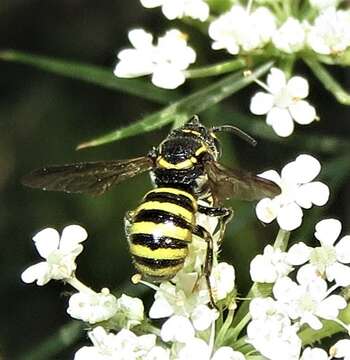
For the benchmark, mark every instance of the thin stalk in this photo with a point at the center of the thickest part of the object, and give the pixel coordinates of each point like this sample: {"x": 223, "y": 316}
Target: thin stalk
{"x": 184, "y": 108}
{"x": 223, "y": 330}
{"x": 327, "y": 80}
{"x": 281, "y": 242}
{"x": 216, "y": 69}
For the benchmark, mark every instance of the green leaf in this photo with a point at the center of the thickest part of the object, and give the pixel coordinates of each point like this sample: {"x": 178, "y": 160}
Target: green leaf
{"x": 183, "y": 109}
{"x": 93, "y": 74}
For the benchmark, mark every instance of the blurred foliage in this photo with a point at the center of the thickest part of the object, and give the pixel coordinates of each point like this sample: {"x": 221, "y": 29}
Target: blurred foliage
{"x": 43, "y": 117}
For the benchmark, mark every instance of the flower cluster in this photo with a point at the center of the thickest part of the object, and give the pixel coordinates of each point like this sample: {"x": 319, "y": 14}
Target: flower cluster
{"x": 172, "y": 9}
{"x": 166, "y": 61}
{"x": 298, "y": 190}
{"x": 233, "y": 30}
{"x": 283, "y": 102}
{"x": 276, "y": 321}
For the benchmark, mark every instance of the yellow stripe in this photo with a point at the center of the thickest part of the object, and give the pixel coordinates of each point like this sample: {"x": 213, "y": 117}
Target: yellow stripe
{"x": 173, "y": 191}
{"x": 186, "y": 164}
{"x": 159, "y": 254}
{"x": 148, "y": 227}
{"x": 168, "y": 207}
{"x": 202, "y": 149}
{"x": 170, "y": 271}
{"x": 194, "y": 132}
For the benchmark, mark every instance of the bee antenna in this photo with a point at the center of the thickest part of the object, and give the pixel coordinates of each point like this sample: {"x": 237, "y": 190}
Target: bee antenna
{"x": 235, "y": 130}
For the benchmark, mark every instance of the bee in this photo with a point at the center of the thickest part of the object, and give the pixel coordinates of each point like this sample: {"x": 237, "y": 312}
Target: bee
{"x": 184, "y": 169}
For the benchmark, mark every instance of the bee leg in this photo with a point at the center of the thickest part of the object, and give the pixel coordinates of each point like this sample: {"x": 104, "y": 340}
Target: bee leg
{"x": 208, "y": 265}
{"x": 225, "y": 215}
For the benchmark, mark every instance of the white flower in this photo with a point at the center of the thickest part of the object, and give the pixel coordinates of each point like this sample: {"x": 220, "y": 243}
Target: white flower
{"x": 326, "y": 260}
{"x": 330, "y": 33}
{"x": 271, "y": 332}
{"x": 284, "y": 102}
{"x": 123, "y": 346}
{"x": 233, "y": 30}
{"x": 59, "y": 253}
{"x": 290, "y": 37}
{"x": 314, "y": 354}
{"x": 194, "y": 349}
{"x": 323, "y": 4}
{"x": 172, "y": 9}
{"x": 222, "y": 280}
{"x": 197, "y": 348}
{"x": 174, "y": 302}
{"x": 270, "y": 266}
{"x": 308, "y": 301}
{"x": 177, "y": 328}
{"x": 227, "y": 353}
{"x": 166, "y": 61}
{"x": 297, "y": 191}
{"x": 92, "y": 307}
{"x": 341, "y": 349}
{"x": 130, "y": 311}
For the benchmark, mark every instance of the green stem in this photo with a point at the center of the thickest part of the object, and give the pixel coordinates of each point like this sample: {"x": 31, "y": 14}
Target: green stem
{"x": 217, "y": 69}
{"x": 183, "y": 109}
{"x": 78, "y": 285}
{"x": 240, "y": 326}
{"x": 281, "y": 241}
{"x": 327, "y": 80}
{"x": 223, "y": 330}
{"x": 92, "y": 74}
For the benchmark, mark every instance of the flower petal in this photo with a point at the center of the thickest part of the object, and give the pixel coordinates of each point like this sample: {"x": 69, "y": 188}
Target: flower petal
{"x": 302, "y": 112}
{"x": 160, "y": 309}
{"x": 276, "y": 80}
{"x": 298, "y": 254}
{"x": 140, "y": 38}
{"x": 261, "y": 103}
{"x": 271, "y": 175}
{"x": 46, "y": 241}
{"x": 312, "y": 193}
{"x": 71, "y": 236}
{"x": 38, "y": 272}
{"x": 327, "y": 231}
{"x": 307, "y": 274}
{"x": 202, "y": 317}
{"x": 227, "y": 353}
{"x": 342, "y": 249}
{"x": 307, "y": 168}
{"x": 167, "y": 76}
{"x": 339, "y": 273}
{"x": 298, "y": 87}
{"x": 177, "y": 328}
{"x": 290, "y": 217}
{"x": 281, "y": 121}
{"x": 151, "y": 3}
{"x": 329, "y": 307}
{"x": 266, "y": 210}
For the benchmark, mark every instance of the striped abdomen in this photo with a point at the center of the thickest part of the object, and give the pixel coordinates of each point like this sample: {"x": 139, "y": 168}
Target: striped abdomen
{"x": 160, "y": 231}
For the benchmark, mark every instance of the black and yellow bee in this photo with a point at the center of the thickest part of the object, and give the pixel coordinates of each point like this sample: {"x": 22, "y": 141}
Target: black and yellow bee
{"x": 184, "y": 169}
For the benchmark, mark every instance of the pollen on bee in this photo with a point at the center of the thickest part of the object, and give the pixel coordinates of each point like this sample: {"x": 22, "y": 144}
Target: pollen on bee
{"x": 135, "y": 279}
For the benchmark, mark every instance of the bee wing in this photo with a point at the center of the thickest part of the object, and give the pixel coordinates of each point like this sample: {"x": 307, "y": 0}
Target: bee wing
{"x": 92, "y": 178}
{"x": 227, "y": 183}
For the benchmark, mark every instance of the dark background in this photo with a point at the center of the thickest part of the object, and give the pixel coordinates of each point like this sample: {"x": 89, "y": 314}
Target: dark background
{"x": 42, "y": 119}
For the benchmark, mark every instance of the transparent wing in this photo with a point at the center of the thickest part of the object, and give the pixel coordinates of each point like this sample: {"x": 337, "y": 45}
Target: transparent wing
{"x": 227, "y": 183}
{"x": 89, "y": 177}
